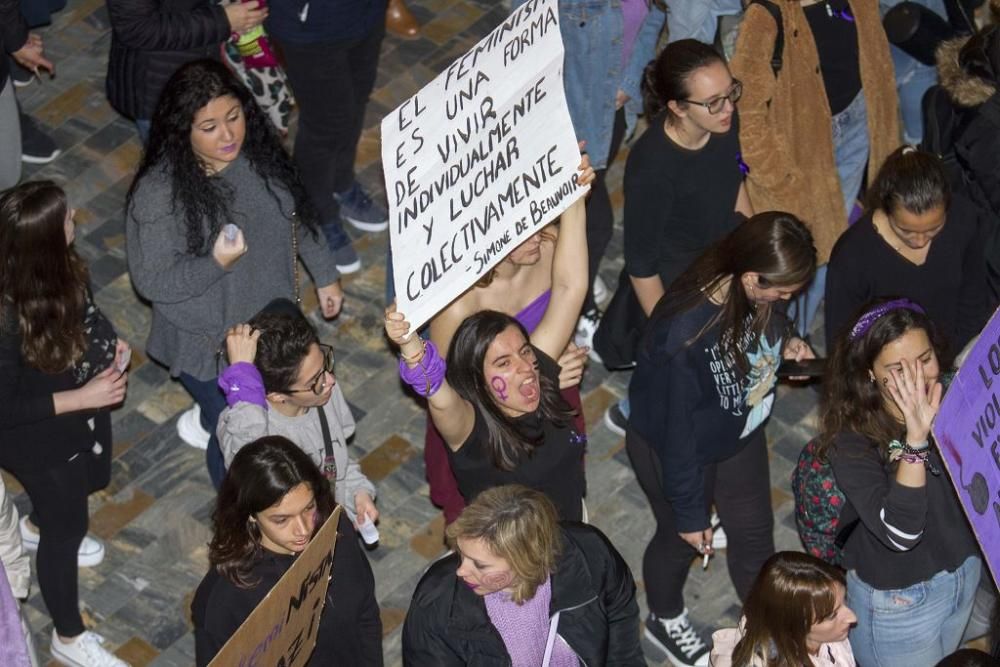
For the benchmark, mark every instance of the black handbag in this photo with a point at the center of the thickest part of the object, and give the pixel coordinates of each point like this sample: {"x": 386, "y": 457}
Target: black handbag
{"x": 617, "y": 337}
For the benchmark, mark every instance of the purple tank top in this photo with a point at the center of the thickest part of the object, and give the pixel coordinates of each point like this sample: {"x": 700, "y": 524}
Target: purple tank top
{"x": 531, "y": 315}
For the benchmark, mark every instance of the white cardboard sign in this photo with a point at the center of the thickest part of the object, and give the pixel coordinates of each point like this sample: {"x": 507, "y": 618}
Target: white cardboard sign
{"x": 479, "y": 160}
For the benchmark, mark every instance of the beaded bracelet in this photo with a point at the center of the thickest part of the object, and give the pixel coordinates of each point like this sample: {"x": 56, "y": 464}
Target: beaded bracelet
{"x": 902, "y": 451}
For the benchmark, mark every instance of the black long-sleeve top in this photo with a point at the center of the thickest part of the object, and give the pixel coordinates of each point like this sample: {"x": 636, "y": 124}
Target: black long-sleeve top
{"x": 693, "y": 406}
{"x": 32, "y": 435}
{"x": 951, "y": 284}
{"x": 350, "y": 628}
{"x": 907, "y": 534}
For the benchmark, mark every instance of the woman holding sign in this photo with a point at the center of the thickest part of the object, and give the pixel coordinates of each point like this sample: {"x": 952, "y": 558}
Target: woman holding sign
{"x": 272, "y": 502}
{"x": 520, "y": 286}
{"x": 912, "y": 562}
{"x": 499, "y": 410}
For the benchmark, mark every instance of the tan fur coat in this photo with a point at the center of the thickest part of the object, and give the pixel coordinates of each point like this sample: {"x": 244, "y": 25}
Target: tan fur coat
{"x": 785, "y": 123}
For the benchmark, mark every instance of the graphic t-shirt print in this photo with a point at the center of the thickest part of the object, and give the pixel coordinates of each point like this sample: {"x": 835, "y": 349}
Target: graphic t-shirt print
{"x": 750, "y": 395}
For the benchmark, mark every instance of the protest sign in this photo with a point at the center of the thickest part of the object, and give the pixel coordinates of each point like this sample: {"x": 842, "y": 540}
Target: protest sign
{"x": 281, "y": 631}
{"x": 479, "y": 160}
{"x": 967, "y": 430}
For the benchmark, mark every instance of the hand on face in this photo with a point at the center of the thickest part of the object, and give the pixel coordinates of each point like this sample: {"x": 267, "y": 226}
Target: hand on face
{"x": 916, "y": 401}
{"x": 906, "y": 371}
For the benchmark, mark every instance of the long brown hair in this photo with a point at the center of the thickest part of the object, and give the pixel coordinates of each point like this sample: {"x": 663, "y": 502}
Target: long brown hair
{"x": 852, "y": 401}
{"x": 793, "y": 592}
{"x": 261, "y": 474}
{"x": 43, "y": 282}
{"x": 519, "y": 525}
{"x": 775, "y": 245}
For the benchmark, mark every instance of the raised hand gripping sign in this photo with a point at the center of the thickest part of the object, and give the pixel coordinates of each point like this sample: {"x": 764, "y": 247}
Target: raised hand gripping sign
{"x": 479, "y": 160}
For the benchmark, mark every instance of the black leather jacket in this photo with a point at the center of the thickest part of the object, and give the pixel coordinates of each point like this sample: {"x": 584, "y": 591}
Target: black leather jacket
{"x": 447, "y": 623}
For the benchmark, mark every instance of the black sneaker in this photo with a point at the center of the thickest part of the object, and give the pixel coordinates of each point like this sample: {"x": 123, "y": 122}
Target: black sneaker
{"x": 615, "y": 419}
{"x": 675, "y": 637}
{"x": 36, "y": 146}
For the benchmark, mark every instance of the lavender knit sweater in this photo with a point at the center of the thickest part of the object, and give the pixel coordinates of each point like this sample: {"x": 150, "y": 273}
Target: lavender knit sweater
{"x": 525, "y": 628}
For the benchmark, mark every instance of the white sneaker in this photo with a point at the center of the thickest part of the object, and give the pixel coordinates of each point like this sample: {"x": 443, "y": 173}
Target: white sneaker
{"x": 190, "y": 429}
{"x": 84, "y": 651}
{"x": 601, "y": 292}
{"x": 586, "y": 327}
{"x": 90, "y": 553}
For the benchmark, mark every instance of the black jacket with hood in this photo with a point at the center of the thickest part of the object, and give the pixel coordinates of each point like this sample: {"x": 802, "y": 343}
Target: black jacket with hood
{"x": 972, "y": 86}
{"x": 447, "y": 624}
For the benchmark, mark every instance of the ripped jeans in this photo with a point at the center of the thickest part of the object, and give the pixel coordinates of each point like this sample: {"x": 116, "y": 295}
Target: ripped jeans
{"x": 912, "y": 626}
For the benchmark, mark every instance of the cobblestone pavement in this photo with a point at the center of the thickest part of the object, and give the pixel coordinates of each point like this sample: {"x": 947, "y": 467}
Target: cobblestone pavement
{"x": 154, "y": 516}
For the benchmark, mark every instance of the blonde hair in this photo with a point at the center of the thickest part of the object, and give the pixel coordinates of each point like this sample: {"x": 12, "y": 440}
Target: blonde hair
{"x": 519, "y": 525}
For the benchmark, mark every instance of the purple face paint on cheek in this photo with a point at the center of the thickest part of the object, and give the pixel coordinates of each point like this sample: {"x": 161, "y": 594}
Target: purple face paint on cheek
{"x": 498, "y": 580}
{"x": 499, "y": 386}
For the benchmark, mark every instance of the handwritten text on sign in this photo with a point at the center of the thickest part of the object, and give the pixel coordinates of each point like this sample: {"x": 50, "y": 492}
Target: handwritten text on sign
{"x": 478, "y": 160}
{"x": 967, "y": 430}
{"x": 281, "y": 631}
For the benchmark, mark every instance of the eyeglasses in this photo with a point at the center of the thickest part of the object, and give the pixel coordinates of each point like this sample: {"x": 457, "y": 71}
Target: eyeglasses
{"x": 716, "y": 105}
{"x": 318, "y": 383}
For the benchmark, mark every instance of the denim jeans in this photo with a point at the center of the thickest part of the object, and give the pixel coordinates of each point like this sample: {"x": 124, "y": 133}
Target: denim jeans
{"x": 913, "y": 78}
{"x": 912, "y": 626}
{"x": 698, "y": 19}
{"x": 850, "y": 146}
{"x": 212, "y": 401}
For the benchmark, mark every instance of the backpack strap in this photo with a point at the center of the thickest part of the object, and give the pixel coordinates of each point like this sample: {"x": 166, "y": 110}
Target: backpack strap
{"x": 779, "y": 41}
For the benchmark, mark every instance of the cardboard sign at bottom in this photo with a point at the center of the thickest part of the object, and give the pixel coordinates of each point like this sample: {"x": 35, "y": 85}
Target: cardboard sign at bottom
{"x": 281, "y": 631}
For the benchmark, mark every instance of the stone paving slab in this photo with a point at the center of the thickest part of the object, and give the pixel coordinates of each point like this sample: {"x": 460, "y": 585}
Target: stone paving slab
{"x": 155, "y": 514}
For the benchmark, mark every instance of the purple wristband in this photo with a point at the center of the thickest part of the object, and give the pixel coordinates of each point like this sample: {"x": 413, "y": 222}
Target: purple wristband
{"x": 242, "y": 382}
{"x": 426, "y": 377}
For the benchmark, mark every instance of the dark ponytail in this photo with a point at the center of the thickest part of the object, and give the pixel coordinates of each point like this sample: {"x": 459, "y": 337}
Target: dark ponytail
{"x": 666, "y": 78}
{"x": 912, "y": 179}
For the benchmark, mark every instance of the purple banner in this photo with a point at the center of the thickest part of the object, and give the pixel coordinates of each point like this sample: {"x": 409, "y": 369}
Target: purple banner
{"x": 967, "y": 430}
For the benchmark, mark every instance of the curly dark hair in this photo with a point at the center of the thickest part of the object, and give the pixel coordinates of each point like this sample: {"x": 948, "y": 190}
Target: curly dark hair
{"x": 851, "y": 401}
{"x": 506, "y": 444}
{"x": 261, "y": 474}
{"x": 285, "y": 339}
{"x": 43, "y": 282}
{"x": 203, "y": 199}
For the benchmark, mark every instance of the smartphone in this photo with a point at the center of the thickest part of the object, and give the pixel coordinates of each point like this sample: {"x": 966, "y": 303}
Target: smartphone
{"x": 811, "y": 368}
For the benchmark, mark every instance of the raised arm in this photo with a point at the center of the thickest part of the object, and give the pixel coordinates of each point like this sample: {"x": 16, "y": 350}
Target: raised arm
{"x": 569, "y": 275}
{"x": 453, "y": 416}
